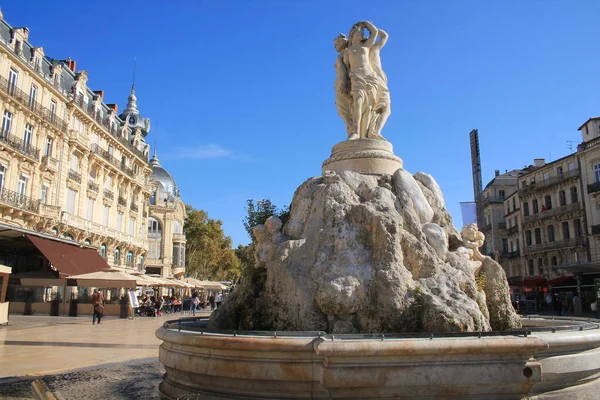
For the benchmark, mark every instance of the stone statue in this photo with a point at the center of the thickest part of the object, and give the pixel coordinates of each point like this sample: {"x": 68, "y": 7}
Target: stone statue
{"x": 362, "y": 95}
{"x": 473, "y": 240}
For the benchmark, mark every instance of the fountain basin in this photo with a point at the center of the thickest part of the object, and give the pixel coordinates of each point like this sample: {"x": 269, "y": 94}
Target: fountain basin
{"x": 549, "y": 358}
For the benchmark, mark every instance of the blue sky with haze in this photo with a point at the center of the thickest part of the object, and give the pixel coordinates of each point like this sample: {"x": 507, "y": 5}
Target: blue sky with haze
{"x": 241, "y": 98}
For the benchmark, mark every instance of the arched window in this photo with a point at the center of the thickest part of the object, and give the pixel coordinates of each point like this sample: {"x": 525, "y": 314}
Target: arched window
{"x": 103, "y": 251}
{"x": 176, "y": 227}
{"x": 87, "y": 242}
{"x": 68, "y": 236}
{"x": 154, "y": 239}
{"x": 117, "y": 260}
{"x": 130, "y": 259}
{"x": 154, "y": 228}
{"x": 55, "y": 231}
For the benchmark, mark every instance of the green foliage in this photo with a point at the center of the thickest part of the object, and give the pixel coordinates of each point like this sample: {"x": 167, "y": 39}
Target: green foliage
{"x": 259, "y": 210}
{"x": 245, "y": 255}
{"x": 208, "y": 251}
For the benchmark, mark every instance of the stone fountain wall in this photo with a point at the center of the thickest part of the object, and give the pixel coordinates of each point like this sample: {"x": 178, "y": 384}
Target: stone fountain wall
{"x": 368, "y": 253}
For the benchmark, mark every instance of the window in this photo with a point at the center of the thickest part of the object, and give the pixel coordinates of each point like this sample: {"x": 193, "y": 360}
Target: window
{"x": 52, "y": 110}
{"x": 559, "y": 171}
{"x": 37, "y": 63}
{"x": 540, "y": 266}
{"x": 44, "y": 193}
{"x": 528, "y": 240}
{"x": 71, "y": 201}
{"x": 550, "y": 232}
{"x": 87, "y": 242}
{"x": 176, "y": 254}
{"x": 176, "y": 227}
{"x": 514, "y": 201}
{"x": 27, "y": 136}
{"x": 572, "y": 166}
{"x": 597, "y": 172}
{"x": 553, "y": 261}
{"x": 501, "y": 193}
{"x": 577, "y": 227}
{"x": 530, "y": 267}
{"x": 32, "y": 96}
{"x": 562, "y": 198}
{"x": 130, "y": 259}
{"x": 74, "y": 164}
{"x": 535, "y": 206}
{"x": 95, "y": 138}
{"x": 546, "y": 176}
{"x": 131, "y": 226}
{"x": 548, "y": 202}
{"x": 22, "y": 187}
{"x": 2, "y": 172}
{"x": 6, "y": 123}
{"x": 538, "y": 236}
{"x": 574, "y": 195}
{"x": 154, "y": 227}
{"x": 120, "y": 221}
{"x": 117, "y": 258}
{"x": 111, "y": 150}
{"x": 48, "y": 149}
{"x": 526, "y": 209}
{"x": 103, "y": 251}
{"x": 505, "y": 245}
{"x": 105, "y": 215}
{"x": 108, "y": 182}
{"x": 90, "y": 210}
{"x": 565, "y": 230}
{"x": 13, "y": 77}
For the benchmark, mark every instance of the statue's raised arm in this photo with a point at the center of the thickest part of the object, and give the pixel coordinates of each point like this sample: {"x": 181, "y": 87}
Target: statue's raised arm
{"x": 373, "y": 32}
{"x": 383, "y": 37}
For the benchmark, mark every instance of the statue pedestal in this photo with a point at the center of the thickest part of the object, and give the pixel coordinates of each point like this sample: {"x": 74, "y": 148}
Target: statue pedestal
{"x": 365, "y": 156}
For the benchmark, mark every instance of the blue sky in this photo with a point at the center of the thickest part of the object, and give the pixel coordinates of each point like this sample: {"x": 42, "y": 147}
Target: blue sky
{"x": 241, "y": 98}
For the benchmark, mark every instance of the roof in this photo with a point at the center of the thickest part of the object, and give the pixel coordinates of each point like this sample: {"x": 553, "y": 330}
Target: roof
{"x": 510, "y": 175}
{"x": 586, "y": 122}
{"x": 163, "y": 177}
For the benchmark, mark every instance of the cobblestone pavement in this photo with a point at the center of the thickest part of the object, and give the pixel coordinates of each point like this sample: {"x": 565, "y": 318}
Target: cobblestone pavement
{"x": 77, "y": 360}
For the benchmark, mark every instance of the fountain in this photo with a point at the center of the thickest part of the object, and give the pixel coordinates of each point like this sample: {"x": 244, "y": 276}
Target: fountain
{"x": 369, "y": 291}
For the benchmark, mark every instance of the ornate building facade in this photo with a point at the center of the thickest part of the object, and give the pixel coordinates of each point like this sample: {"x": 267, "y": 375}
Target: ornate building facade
{"x": 72, "y": 166}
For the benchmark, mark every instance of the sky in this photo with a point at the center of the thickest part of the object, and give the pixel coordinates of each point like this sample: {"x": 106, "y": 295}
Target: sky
{"x": 241, "y": 98}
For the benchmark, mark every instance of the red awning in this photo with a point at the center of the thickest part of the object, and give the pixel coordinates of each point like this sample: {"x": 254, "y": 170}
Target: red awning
{"x": 69, "y": 259}
{"x": 533, "y": 281}
{"x": 559, "y": 280}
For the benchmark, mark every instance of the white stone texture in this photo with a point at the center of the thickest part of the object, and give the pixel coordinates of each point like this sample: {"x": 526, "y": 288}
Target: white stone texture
{"x": 360, "y": 253}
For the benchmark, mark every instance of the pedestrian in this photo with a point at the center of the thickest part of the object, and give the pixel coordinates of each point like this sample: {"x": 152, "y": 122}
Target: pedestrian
{"x": 549, "y": 301}
{"x": 219, "y": 300}
{"x": 211, "y": 300}
{"x": 195, "y": 302}
{"x": 98, "y": 307}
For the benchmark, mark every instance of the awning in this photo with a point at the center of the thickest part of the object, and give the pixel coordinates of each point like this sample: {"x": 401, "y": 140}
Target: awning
{"x": 528, "y": 281}
{"x": 559, "y": 280}
{"x": 69, "y": 259}
{"x": 38, "y": 278}
{"x": 105, "y": 279}
{"x": 212, "y": 285}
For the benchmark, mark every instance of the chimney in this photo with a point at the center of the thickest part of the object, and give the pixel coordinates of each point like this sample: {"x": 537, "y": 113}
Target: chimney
{"x": 497, "y": 172}
{"x": 99, "y": 93}
{"x": 539, "y": 162}
{"x": 71, "y": 64}
{"x": 113, "y": 107}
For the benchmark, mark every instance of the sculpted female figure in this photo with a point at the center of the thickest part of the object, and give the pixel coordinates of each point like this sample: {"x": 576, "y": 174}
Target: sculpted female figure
{"x": 343, "y": 99}
{"x": 370, "y": 100}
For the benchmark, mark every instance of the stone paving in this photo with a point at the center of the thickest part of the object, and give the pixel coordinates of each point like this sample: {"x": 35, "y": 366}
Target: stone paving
{"x": 117, "y": 359}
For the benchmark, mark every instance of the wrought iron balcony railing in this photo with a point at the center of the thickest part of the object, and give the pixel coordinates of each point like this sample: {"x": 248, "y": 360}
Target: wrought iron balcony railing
{"x": 109, "y": 194}
{"x": 19, "y": 200}
{"x": 19, "y": 145}
{"x": 94, "y": 187}
{"x": 133, "y": 207}
{"x": 49, "y": 161}
{"x": 74, "y": 176}
{"x": 513, "y": 229}
{"x": 549, "y": 182}
{"x": 122, "y": 201}
{"x": 32, "y": 105}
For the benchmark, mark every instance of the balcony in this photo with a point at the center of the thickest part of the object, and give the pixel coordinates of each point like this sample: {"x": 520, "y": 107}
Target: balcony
{"x": 20, "y": 201}
{"x": 558, "y": 244}
{"x": 109, "y": 194}
{"x": 553, "y": 212}
{"x": 593, "y": 188}
{"x": 486, "y": 228}
{"x": 49, "y": 211}
{"x": 513, "y": 229}
{"x": 32, "y": 105}
{"x": 514, "y": 254}
{"x": 122, "y": 201}
{"x": 501, "y": 225}
{"x": 178, "y": 271}
{"x": 492, "y": 200}
{"x": 179, "y": 237}
{"x": 74, "y": 176}
{"x": 595, "y": 230}
{"x": 546, "y": 183}
{"x": 133, "y": 207}
{"x": 19, "y": 145}
{"x": 49, "y": 162}
{"x": 94, "y": 187}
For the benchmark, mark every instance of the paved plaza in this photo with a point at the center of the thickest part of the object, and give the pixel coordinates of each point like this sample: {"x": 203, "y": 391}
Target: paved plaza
{"x": 80, "y": 359}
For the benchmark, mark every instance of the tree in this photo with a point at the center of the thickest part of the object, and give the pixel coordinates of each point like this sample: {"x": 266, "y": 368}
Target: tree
{"x": 258, "y": 211}
{"x": 209, "y": 252}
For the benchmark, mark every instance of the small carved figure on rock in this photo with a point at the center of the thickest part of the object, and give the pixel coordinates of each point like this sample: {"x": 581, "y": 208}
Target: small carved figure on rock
{"x": 473, "y": 240}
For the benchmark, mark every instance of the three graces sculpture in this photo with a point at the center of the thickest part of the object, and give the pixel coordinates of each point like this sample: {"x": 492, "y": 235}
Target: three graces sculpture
{"x": 362, "y": 96}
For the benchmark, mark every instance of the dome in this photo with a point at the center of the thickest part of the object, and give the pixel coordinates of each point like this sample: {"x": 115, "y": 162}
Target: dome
{"x": 167, "y": 188}
{"x": 132, "y": 116}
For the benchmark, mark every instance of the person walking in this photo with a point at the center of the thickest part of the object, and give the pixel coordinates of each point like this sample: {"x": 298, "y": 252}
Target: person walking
{"x": 98, "y": 307}
{"x": 219, "y": 300}
{"x": 195, "y": 302}
{"x": 211, "y": 300}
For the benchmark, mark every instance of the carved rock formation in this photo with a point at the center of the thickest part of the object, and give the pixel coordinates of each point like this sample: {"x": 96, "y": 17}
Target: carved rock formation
{"x": 365, "y": 253}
